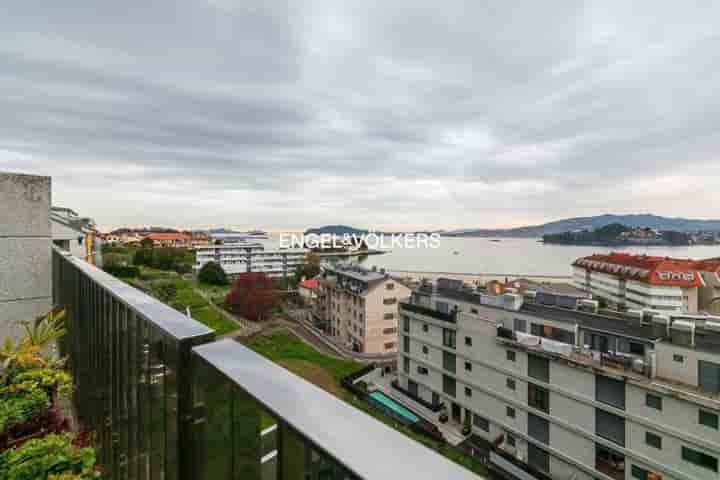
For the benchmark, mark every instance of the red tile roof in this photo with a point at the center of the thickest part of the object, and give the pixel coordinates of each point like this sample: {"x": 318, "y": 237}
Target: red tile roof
{"x": 310, "y": 283}
{"x": 654, "y": 270}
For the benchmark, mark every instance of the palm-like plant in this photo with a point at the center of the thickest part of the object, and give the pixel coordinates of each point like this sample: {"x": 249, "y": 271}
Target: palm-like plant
{"x": 44, "y": 329}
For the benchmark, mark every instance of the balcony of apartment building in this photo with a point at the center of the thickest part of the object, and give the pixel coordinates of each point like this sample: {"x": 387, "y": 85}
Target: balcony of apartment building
{"x": 165, "y": 399}
{"x": 632, "y": 366}
{"x": 408, "y": 306}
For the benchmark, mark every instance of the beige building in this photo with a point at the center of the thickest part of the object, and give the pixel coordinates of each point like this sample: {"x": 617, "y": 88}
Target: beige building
{"x": 359, "y": 308}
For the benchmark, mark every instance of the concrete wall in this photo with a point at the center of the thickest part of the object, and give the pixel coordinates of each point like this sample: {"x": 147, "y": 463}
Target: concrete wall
{"x": 25, "y": 262}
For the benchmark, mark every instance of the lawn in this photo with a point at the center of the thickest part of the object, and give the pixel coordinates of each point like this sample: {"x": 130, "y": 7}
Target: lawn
{"x": 285, "y": 348}
{"x": 288, "y": 350}
{"x": 213, "y": 319}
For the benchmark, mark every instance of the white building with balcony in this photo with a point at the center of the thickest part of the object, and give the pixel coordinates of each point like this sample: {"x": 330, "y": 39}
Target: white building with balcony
{"x": 567, "y": 394}
{"x": 241, "y": 257}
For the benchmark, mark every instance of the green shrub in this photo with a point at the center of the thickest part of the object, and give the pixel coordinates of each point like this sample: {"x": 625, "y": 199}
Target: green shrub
{"x": 52, "y": 455}
{"x": 122, "y": 271}
{"x": 213, "y": 274}
{"x": 20, "y": 403}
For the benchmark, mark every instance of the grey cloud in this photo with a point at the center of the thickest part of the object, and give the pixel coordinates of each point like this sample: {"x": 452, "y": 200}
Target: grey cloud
{"x": 283, "y": 114}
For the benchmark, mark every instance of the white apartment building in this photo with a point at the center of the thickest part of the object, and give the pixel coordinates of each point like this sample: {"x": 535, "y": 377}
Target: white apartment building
{"x": 557, "y": 393}
{"x": 641, "y": 281}
{"x": 241, "y": 257}
{"x": 359, "y": 308}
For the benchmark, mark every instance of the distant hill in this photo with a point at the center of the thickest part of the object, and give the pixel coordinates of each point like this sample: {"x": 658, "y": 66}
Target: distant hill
{"x": 335, "y": 230}
{"x": 591, "y": 223}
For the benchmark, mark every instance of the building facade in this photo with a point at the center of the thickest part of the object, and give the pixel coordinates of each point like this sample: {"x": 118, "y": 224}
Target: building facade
{"x": 173, "y": 240}
{"x": 25, "y": 238}
{"x": 359, "y": 308}
{"x": 242, "y": 257}
{"x": 75, "y": 234}
{"x": 571, "y": 395}
{"x": 641, "y": 281}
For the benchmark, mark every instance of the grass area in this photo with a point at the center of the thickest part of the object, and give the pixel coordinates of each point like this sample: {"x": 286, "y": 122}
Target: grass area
{"x": 213, "y": 319}
{"x": 286, "y": 349}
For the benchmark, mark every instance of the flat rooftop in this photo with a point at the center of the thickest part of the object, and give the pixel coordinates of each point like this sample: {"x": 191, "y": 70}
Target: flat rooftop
{"x": 357, "y": 273}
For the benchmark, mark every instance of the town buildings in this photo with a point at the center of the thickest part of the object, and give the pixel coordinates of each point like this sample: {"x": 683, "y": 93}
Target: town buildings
{"x": 75, "y": 234}
{"x": 359, "y": 307}
{"x": 641, "y": 281}
{"x": 174, "y": 240}
{"x": 239, "y": 257}
{"x": 307, "y": 289}
{"x": 566, "y": 394}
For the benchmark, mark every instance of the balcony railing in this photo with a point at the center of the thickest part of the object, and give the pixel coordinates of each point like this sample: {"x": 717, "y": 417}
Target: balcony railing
{"x": 445, "y": 317}
{"x": 130, "y": 357}
{"x": 166, "y": 401}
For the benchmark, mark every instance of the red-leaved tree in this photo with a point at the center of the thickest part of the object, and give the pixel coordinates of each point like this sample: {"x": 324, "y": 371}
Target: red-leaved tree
{"x": 252, "y": 296}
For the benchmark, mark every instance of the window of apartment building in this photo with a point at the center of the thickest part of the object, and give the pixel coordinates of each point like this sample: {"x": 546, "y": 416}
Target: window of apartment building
{"x": 709, "y": 376}
{"x": 449, "y": 361}
{"x": 442, "y": 307}
{"x": 406, "y": 323}
{"x": 468, "y": 392}
{"x": 389, "y": 345}
{"x": 390, "y": 301}
{"x": 552, "y": 333}
{"x": 510, "y": 383}
{"x": 510, "y": 355}
{"x": 642, "y": 474}
{"x": 406, "y": 365}
{"x": 468, "y": 366}
{"x": 449, "y": 338}
{"x": 468, "y": 341}
{"x": 538, "y": 458}
{"x": 653, "y": 440}
{"x": 539, "y": 368}
{"x": 708, "y": 419}
{"x": 610, "y": 391}
{"x": 510, "y": 439}
{"x": 538, "y": 398}
{"x": 474, "y": 310}
{"x": 449, "y": 385}
{"x": 610, "y": 427}
{"x": 389, "y": 316}
{"x": 679, "y": 358}
{"x": 538, "y": 428}
{"x": 422, "y": 370}
{"x": 609, "y": 462}
{"x": 520, "y": 325}
{"x": 425, "y": 327}
{"x": 481, "y": 422}
{"x": 510, "y": 412}
{"x": 389, "y": 286}
{"x": 425, "y": 350}
{"x": 388, "y": 331}
{"x": 700, "y": 459}
{"x": 406, "y": 344}
{"x": 653, "y": 401}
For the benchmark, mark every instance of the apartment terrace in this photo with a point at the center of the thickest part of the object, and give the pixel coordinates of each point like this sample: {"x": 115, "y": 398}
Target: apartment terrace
{"x": 168, "y": 401}
{"x": 607, "y": 364}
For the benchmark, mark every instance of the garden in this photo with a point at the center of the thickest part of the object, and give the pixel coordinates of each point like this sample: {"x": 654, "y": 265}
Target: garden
{"x": 36, "y": 439}
{"x": 328, "y": 373}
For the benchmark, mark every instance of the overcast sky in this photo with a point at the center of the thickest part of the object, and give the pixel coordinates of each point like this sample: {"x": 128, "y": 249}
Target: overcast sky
{"x": 407, "y": 114}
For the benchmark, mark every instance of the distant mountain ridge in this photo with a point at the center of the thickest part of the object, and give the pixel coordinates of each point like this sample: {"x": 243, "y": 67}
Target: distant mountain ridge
{"x": 589, "y": 223}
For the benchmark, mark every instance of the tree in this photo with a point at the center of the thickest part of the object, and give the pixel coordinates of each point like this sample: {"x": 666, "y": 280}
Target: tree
{"x": 147, "y": 243}
{"x": 252, "y": 296}
{"x": 213, "y": 274}
{"x": 309, "y": 269}
{"x": 143, "y": 256}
